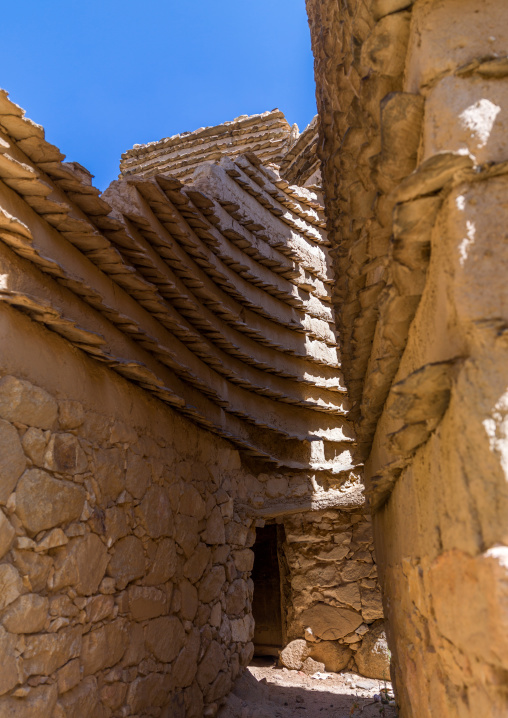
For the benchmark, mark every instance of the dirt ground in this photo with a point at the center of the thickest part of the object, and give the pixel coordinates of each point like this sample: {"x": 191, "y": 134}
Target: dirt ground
{"x": 268, "y": 691}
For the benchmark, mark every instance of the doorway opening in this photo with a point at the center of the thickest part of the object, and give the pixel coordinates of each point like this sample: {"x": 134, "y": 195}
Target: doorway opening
{"x": 269, "y": 603}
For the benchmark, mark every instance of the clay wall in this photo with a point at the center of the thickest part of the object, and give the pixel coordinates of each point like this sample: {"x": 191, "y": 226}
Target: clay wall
{"x": 412, "y": 103}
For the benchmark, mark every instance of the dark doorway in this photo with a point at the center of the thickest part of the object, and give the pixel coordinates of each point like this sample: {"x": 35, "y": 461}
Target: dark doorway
{"x": 267, "y": 604}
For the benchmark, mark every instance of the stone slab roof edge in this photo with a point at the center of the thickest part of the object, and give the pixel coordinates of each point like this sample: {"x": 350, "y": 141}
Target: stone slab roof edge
{"x": 120, "y": 311}
{"x": 241, "y": 122}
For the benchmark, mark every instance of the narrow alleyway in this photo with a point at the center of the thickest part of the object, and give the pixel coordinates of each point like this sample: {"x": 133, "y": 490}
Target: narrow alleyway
{"x": 267, "y": 691}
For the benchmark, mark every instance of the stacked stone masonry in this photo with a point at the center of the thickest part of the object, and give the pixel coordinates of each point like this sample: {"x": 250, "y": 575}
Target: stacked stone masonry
{"x": 169, "y": 381}
{"x": 300, "y": 165}
{"x": 268, "y": 135}
{"x": 412, "y": 101}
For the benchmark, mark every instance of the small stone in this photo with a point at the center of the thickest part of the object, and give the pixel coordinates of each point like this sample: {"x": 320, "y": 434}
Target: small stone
{"x": 39, "y": 703}
{"x": 244, "y": 560}
{"x": 26, "y": 403}
{"x": 155, "y": 513}
{"x": 294, "y": 654}
{"x": 137, "y": 477}
{"x": 136, "y": 650}
{"x": 247, "y": 653}
{"x": 58, "y": 623}
{"x": 185, "y": 667}
{"x": 9, "y": 672}
{"x": 330, "y": 622}
{"x": 348, "y": 594}
{"x": 37, "y": 567}
{"x": 152, "y": 690}
{"x": 12, "y": 459}
{"x": 44, "y": 653}
{"x": 68, "y": 676}
{"x": 62, "y": 605}
{"x": 309, "y": 636}
{"x": 81, "y": 701}
{"x": 27, "y": 614}
{"x": 163, "y": 566}
{"x": 210, "y": 665}
{"x": 75, "y": 529}
{"x": 34, "y": 443}
{"x": 355, "y": 570}
{"x": 242, "y": 629}
{"x": 237, "y": 597}
{"x": 189, "y": 600}
{"x": 212, "y": 584}
{"x": 146, "y": 602}
{"x": 310, "y": 666}
{"x": 107, "y": 585}
{"x": 25, "y": 543}
{"x": 53, "y": 539}
{"x": 109, "y": 472}
{"x": 65, "y": 455}
{"x": 373, "y": 656}
{"x": 216, "y": 615}
{"x": 372, "y": 605}
{"x": 334, "y": 655}
{"x": 127, "y": 562}
{"x": 81, "y": 564}
{"x": 215, "y": 531}
{"x": 43, "y": 502}
{"x": 276, "y": 487}
{"x": 70, "y": 414}
{"x": 113, "y": 696}
{"x": 116, "y": 524}
{"x": 7, "y": 534}
{"x": 104, "y": 647}
{"x": 165, "y": 637}
{"x": 191, "y": 503}
{"x": 11, "y": 585}
{"x": 193, "y": 569}
{"x": 122, "y": 434}
{"x": 186, "y": 533}
{"x": 352, "y": 638}
{"x": 99, "y": 608}
{"x": 236, "y": 534}
{"x": 366, "y": 685}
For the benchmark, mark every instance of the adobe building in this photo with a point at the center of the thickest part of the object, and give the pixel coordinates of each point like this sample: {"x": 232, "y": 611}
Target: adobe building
{"x": 254, "y": 358}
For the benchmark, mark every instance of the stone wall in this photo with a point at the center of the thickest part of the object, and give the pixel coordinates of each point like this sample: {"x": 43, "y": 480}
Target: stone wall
{"x": 124, "y": 567}
{"x": 268, "y": 135}
{"x": 412, "y": 104}
{"x": 334, "y": 601}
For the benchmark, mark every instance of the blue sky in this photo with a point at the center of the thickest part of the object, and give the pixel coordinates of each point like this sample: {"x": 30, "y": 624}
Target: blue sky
{"x": 102, "y": 75}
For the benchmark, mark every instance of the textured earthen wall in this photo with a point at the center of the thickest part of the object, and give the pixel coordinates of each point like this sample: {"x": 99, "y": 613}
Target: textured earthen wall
{"x": 412, "y": 103}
